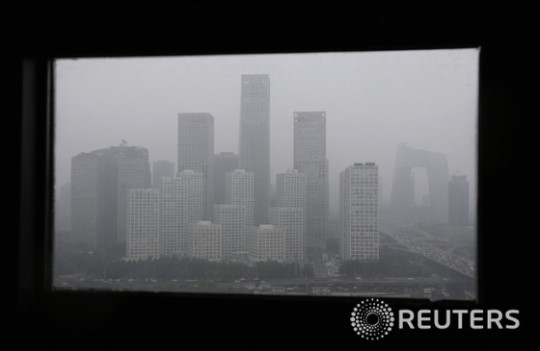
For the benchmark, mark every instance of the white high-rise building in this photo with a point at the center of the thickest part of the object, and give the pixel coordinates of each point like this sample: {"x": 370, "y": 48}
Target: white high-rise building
{"x": 359, "y": 212}
{"x": 239, "y": 190}
{"x": 196, "y": 151}
{"x": 181, "y": 204}
{"x": 291, "y": 189}
{"x": 232, "y": 219}
{"x": 291, "y": 220}
{"x": 205, "y": 241}
{"x": 143, "y": 224}
{"x": 266, "y": 243}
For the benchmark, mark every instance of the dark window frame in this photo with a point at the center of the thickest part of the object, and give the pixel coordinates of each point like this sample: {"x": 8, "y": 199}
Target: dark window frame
{"x": 36, "y": 299}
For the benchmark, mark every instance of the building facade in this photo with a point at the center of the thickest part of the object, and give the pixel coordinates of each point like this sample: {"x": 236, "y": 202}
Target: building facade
{"x": 143, "y": 226}
{"x": 310, "y": 159}
{"x": 224, "y": 162}
{"x": 458, "y": 200}
{"x": 161, "y": 169}
{"x": 254, "y": 145}
{"x": 232, "y": 219}
{"x": 196, "y": 151}
{"x": 359, "y": 212}
{"x": 204, "y": 241}
{"x": 239, "y": 190}
{"x": 291, "y": 220}
{"x": 266, "y": 243}
{"x": 101, "y": 181}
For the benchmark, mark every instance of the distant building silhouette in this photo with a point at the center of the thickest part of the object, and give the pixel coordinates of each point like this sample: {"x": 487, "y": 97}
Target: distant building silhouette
{"x": 403, "y": 200}
{"x": 204, "y": 241}
{"x": 196, "y": 151}
{"x": 359, "y": 212}
{"x": 160, "y": 170}
{"x": 310, "y": 159}
{"x": 232, "y": 219}
{"x": 223, "y": 162}
{"x": 254, "y": 146}
{"x": 143, "y": 228}
{"x": 458, "y": 200}
{"x": 266, "y": 243}
{"x": 101, "y": 181}
{"x": 63, "y": 209}
{"x": 239, "y": 190}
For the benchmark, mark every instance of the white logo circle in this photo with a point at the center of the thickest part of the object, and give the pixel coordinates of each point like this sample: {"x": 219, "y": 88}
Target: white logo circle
{"x": 372, "y": 319}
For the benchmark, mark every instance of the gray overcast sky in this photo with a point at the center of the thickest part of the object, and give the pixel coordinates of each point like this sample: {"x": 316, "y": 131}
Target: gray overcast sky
{"x": 373, "y": 100}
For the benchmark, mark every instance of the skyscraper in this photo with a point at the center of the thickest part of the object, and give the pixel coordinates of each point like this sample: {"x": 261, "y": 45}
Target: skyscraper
{"x": 239, "y": 190}
{"x": 204, "y": 241}
{"x": 143, "y": 224}
{"x": 133, "y": 173}
{"x": 266, "y": 243}
{"x": 160, "y": 170}
{"x": 223, "y": 162}
{"x": 173, "y": 215}
{"x": 291, "y": 220}
{"x": 458, "y": 200}
{"x": 232, "y": 219}
{"x": 254, "y": 148}
{"x": 101, "y": 181}
{"x": 310, "y": 159}
{"x": 359, "y": 212}
{"x": 196, "y": 151}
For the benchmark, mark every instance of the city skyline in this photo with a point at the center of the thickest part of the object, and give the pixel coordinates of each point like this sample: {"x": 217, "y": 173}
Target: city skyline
{"x": 352, "y": 107}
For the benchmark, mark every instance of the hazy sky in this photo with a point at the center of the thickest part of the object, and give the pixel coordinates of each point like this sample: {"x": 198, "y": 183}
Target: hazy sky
{"x": 373, "y": 102}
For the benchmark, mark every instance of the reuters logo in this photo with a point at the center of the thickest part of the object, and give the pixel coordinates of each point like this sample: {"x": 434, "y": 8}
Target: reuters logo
{"x": 372, "y": 319}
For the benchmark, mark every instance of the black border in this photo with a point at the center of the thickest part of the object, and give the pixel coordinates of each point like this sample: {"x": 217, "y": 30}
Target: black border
{"x": 47, "y": 314}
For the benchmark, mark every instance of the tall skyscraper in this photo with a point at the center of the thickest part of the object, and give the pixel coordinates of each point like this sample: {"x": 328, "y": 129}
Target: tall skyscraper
{"x": 291, "y": 220}
{"x": 101, "y": 181}
{"x": 266, "y": 243}
{"x": 133, "y": 173}
{"x": 232, "y": 219}
{"x": 254, "y": 148}
{"x": 239, "y": 190}
{"x": 143, "y": 224}
{"x": 174, "y": 215}
{"x": 359, "y": 212}
{"x": 223, "y": 162}
{"x": 310, "y": 159}
{"x": 160, "y": 170}
{"x": 196, "y": 151}
{"x": 458, "y": 200}
{"x": 204, "y": 241}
